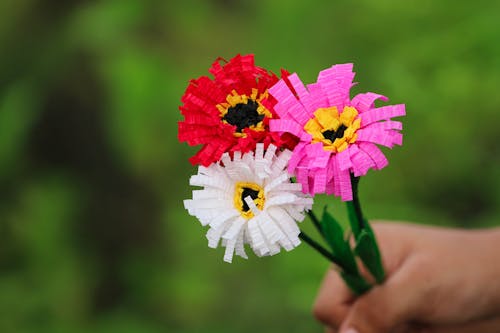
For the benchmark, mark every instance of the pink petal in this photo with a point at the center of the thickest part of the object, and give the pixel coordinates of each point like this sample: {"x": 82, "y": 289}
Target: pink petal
{"x": 302, "y": 174}
{"x": 335, "y": 169}
{"x": 300, "y": 113}
{"x": 318, "y": 97}
{"x": 298, "y": 155}
{"x": 286, "y": 99}
{"x": 314, "y": 150}
{"x": 285, "y": 125}
{"x": 330, "y": 186}
{"x": 297, "y": 84}
{"x": 320, "y": 180}
{"x": 381, "y": 137}
{"x": 288, "y": 105}
{"x": 375, "y": 154}
{"x": 344, "y": 159}
{"x": 366, "y": 101}
{"x": 321, "y": 160}
{"x": 361, "y": 163}
{"x": 397, "y": 138}
{"x": 308, "y": 102}
{"x": 336, "y": 82}
{"x": 344, "y": 182}
{"x": 386, "y": 125}
{"x": 382, "y": 113}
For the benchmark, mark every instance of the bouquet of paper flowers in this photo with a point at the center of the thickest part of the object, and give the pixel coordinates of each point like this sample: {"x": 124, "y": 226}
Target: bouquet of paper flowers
{"x": 270, "y": 144}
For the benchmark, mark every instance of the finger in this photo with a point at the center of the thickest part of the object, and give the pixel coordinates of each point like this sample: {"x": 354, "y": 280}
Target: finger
{"x": 384, "y": 307}
{"x": 333, "y": 300}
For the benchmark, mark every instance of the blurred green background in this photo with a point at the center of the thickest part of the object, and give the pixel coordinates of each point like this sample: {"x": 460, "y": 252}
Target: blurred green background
{"x": 93, "y": 235}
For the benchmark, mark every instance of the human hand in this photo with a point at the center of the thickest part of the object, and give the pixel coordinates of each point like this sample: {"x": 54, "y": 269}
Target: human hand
{"x": 438, "y": 281}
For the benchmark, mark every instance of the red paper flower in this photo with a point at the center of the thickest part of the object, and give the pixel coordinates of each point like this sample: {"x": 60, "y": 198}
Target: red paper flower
{"x": 231, "y": 112}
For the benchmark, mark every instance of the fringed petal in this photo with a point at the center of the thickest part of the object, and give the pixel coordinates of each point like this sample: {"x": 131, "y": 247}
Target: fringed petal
{"x": 366, "y": 101}
{"x": 382, "y": 113}
{"x": 336, "y": 82}
{"x": 375, "y": 154}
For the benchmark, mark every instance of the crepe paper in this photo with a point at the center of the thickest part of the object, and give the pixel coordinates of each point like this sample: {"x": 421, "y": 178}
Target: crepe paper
{"x": 356, "y": 283}
{"x": 366, "y": 244}
{"x": 334, "y": 235}
{"x": 354, "y": 212}
{"x": 335, "y": 133}
{"x": 320, "y": 249}
{"x": 367, "y": 250}
{"x": 249, "y": 199}
{"x": 230, "y": 112}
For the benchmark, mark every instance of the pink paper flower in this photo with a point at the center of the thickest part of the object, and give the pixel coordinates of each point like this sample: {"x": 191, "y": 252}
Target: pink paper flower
{"x": 338, "y": 135}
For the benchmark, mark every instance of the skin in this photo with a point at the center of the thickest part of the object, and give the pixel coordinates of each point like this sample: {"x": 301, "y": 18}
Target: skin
{"x": 438, "y": 281}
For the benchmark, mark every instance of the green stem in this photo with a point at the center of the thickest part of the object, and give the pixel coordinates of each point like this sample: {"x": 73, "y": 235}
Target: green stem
{"x": 354, "y": 281}
{"x": 366, "y": 244}
{"x": 356, "y": 204}
{"x": 354, "y": 209}
{"x": 315, "y": 245}
{"x": 316, "y": 222}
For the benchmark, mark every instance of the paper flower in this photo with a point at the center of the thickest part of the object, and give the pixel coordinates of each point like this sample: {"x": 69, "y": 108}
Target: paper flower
{"x": 338, "y": 135}
{"x": 231, "y": 112}
{"x": 249, "y": 199}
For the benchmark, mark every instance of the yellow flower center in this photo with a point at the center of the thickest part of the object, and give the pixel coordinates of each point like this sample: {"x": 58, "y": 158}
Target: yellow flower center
{"x": 336, "y": 131}
{"x": 244, "y": 111}
{"x": 254, "y": 191}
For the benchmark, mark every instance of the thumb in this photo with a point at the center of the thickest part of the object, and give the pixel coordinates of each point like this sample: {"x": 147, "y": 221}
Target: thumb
{"x": 383, "y": 308}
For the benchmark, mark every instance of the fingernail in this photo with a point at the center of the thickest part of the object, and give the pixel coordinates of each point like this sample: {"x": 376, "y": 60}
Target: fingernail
{"x": 351, "y": 330}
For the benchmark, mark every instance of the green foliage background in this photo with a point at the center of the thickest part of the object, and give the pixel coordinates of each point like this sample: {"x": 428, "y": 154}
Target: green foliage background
{"x": 93, "y": 236}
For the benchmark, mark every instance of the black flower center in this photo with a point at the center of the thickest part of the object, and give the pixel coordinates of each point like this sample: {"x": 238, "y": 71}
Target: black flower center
{"x": 332, "y": 134}
{"x": 243, "y": 115}
{"x": 248, "y": 192}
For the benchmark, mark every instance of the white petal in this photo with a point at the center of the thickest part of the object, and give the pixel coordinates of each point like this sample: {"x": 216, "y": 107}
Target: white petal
{"x": 280, "y": 163}
{"x": 223, "y": 217}
{"x": 269, "y": 229}
{"x": 276, "y": 181}
{"x": 273, "y": 249}
{"x": 251, "y": 204}
{"x": 261, "y": 164}
{"x": 214, "y": 235}
{"x": 240, "y": 247}
{"x": 213, "y": 203}
{"x": 295, "y": 212}
{"x": 234, "y": 229}
{"x": 281, "y": 199}
{"x": 288, "y": 187}
{"x": 256, "y": 239}
{"x": 228, "y": 255}
{"x": 270, "y": 153}
{"x": 203, "y": 180}
{"x": 286, "y": 223}
{"x": 208, "y": 193}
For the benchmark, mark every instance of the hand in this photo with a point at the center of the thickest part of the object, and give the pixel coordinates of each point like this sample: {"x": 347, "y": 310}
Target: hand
{"x": 438, "y": 280}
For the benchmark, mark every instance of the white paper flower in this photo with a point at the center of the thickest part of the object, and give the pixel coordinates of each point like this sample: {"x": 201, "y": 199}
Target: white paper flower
{"x": 249, "y": 199}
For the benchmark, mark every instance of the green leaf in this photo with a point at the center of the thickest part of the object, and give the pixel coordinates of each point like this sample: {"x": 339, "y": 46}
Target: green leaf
{"x": 367, "y": 250}
{"x": 334, "y": 236}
